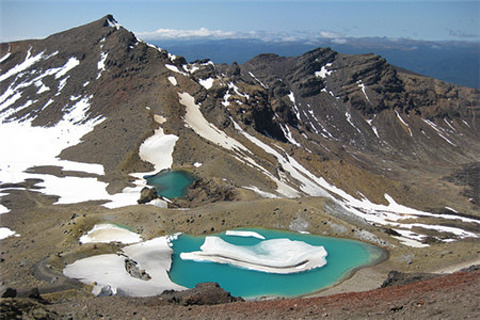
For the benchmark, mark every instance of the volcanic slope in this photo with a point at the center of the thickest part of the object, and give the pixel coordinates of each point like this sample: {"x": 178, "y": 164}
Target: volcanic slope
{"x": 86, "y": 113}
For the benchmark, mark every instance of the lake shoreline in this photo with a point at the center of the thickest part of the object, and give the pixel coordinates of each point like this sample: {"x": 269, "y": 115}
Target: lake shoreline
{"x": 51, "y": 233}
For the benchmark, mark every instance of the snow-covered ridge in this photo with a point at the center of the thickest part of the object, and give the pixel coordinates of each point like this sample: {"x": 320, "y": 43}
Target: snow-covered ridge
{"x": 310, "y": 184}
{"x": 27, "y": 63}
{"x": 195, "y": 120}
{"x": 274, "y": 256}
{"x": 41, "y": 146}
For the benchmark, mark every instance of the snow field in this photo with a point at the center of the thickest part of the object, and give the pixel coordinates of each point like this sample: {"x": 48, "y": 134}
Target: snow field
{"x": 40, "y": 146}
{"x": 108, "y": 271}
{"x": 158, "y": 150}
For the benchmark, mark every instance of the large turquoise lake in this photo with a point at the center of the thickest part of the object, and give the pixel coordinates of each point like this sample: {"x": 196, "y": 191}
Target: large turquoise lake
{"x": 171, "y": 184}
{"x": 344, "y": 256}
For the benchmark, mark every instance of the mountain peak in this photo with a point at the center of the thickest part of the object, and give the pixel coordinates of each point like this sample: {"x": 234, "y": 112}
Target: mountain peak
{"x": 110, "y": 21}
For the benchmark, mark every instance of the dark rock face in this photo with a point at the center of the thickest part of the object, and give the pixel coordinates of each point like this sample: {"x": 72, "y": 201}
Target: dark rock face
{"x": 207, "y": 293}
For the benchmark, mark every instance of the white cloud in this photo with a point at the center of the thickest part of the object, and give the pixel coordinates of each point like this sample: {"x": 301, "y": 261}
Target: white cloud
{"x": 174, "y": 34}
{"x": 330, "y": 35}
{"x": 268, "y": 36}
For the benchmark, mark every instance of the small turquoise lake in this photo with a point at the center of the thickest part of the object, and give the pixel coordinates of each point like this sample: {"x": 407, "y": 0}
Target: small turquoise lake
{"x": 171, "y": 184}
{"x": 344, "y": 256}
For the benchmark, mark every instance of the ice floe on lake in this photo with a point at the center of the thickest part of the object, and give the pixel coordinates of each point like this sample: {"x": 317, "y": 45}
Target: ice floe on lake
{"x": 244, "y": 233}
{"x": 274, "y": 256}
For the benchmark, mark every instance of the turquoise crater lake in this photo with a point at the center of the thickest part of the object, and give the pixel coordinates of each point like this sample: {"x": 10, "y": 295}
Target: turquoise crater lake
{"x": 171, "y": 183}
{"x": 344, "y": 256}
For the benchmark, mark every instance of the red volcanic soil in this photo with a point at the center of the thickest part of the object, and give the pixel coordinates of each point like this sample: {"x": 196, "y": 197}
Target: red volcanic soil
{"x": 455, "y": 296}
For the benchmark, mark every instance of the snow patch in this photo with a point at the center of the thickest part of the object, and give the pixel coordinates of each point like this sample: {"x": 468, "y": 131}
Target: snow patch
{"x": 69, "y": 65}
{"x": 6, "y": 56}
{"x": 256, "y": 79}
{"x": 101, "y": 64}
{"x": 6, "y": 232}
{"x": 158, "y": 150}
{"x": 173, "y": 68}
{"x": 113, "y": 24}
{"x": 41, "y": 87}
{"x": 61, "y": 85}
{"x": 374, "y": 129}
{"x": 173, "y": 80}
{"x": 206, "y": 83}
{"x": 410, "y": 238}
{"x": 288, "y": 134}
{"x": 362, "y": 86}
{"x": 195, "y": 120}
{"x": 404, "y": 123}
{"x": 439, "y": 132}
{"x": 261, "y": 193}
{"x": 349, "y": 119}
{"x": 324, "y": 72}
{"x": 291, "y": 96}
{"x": 105, "y": 233}
{"x": 27, "y": 63}
{"x": 40, "y": 147}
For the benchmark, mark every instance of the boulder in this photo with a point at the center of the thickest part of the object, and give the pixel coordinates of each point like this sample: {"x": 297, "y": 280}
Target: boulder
{"x": 7, "y": 292}
{"x": 206, "y": 293}
{"x": 147, "y": 195}
{"x": 396, "y": 278}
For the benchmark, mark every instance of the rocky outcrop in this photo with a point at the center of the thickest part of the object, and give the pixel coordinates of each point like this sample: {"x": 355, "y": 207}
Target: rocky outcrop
{"x": 206, "y": 190}
{"x": 7, "y": 292}
{"x": 396, "y": 278}
{"x": 207, "y": 293}
{"x": 132, "y": 267}
{"x": 26, "y": 309}
{"x": 147, "y": 195}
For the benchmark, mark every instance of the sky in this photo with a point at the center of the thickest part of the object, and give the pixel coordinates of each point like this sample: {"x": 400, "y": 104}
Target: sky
{"x": 266, "y": 19}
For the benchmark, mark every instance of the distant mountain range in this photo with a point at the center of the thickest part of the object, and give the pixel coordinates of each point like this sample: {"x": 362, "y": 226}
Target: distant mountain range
{"x": 454, "y": 62}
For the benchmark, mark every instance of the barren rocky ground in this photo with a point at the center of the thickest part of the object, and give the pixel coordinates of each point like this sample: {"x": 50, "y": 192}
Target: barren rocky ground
{"x": 448, "y": 297}
{"x": 34, "y": 261}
